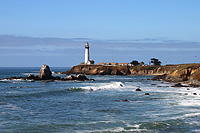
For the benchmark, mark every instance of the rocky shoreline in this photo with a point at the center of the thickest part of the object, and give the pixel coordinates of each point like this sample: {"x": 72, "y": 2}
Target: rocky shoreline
{"x": 46, "y": 75}
{"x": 182, "y": 73}
{"x": 178, "y": 74}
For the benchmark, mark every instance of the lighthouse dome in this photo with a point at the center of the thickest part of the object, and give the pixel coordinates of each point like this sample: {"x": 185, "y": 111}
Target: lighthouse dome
{"x": 87, "y": 45}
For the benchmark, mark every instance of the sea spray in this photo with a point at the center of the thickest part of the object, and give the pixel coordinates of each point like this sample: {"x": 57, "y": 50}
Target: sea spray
{"x": 104, "y": 86}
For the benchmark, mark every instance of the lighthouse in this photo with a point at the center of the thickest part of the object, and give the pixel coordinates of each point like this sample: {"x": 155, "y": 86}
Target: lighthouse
{"x": 87, "y": 58}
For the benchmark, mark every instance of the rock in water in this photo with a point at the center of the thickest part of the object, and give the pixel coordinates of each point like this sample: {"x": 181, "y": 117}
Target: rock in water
{"x": 179, "y": 85}
{"x": 70, "y": 77}
{"x": 30, "y": 76}
{"x": 45, "y": 73}
{"x": 81, "y": 77}
{"x": 138, "y": 89}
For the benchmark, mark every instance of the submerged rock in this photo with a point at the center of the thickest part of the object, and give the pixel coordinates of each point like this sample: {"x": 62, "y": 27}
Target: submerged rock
{"x": 138, "y": 89}
{"x": 179, "y": 85}
{"x": 125, "y": 100}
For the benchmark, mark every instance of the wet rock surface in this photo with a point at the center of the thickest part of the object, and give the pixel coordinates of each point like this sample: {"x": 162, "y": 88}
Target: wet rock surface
{"x": 138, "y": 89}
{"x": 179, "y": 85}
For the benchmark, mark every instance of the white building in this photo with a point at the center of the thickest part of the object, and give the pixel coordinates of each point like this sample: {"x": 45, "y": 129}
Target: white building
{"x": 87, "y": 57}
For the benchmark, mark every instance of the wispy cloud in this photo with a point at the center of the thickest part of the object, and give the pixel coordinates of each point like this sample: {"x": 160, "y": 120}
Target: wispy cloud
{"x": 72, "y": 49}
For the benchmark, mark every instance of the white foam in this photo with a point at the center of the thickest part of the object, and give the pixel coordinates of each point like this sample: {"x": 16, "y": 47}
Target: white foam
{"x": 196, "y": 130}
{"x": 192, "y": 114}
{"x": 122, "y": 129}
{"x": 57, "y": 73}
{"x": 12, "y": 80}
{"x": 13, "y": 92}
{"x": 16, "y": 80}
{"x": 4, "y": 80}
{"x": 104, "y": 86}
{"x": 190, "y": 102}
{"x": 127, "y": 128}
{"x": 34, "y": 73}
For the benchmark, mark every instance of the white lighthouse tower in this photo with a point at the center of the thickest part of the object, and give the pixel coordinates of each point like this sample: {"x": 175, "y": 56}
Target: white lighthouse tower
{"x": 87, "y": 58}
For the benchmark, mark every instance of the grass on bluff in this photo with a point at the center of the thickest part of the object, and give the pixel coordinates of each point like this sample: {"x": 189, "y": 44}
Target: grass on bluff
{"x": 142, "y": 68}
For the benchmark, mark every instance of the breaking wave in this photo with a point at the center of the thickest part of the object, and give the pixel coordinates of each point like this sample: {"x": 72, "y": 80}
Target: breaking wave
{"x": 104, "y": 86}
{"x": 100, "y": 86}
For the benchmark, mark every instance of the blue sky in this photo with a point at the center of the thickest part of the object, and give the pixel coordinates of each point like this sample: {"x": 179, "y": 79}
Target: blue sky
{"x": 55, "y": 31}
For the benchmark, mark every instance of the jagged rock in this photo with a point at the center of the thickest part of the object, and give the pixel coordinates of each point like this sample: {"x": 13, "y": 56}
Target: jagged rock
{"x": 30, "y": 76}
{"x": 70, "y": 77}
{"x": 45, "y": 73}
{"x": 171, "y": 78}
{"x": 81, "y": 77}
{"x": 116, "y": 72}
{"x": 159, "y": 77}
{"x": 105, "y": 71}
{"x": 57, "y": 78}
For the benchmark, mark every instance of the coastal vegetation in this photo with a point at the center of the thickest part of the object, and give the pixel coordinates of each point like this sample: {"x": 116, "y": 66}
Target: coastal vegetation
{"x": 155, "y": 61}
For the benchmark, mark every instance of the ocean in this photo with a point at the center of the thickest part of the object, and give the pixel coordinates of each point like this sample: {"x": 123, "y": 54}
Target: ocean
{"x": 108, "y": 104}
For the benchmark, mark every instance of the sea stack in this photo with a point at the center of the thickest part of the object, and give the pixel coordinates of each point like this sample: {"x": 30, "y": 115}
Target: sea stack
{"x": 45, "y": 73}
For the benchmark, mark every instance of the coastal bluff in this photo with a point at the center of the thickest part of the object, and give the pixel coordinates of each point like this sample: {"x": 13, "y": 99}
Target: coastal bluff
{"x": 183, "y": 73}
{"x": 116, "y": 70}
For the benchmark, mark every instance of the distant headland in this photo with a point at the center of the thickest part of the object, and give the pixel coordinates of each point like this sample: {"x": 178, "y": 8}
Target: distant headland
{"x": 184, "y": 73}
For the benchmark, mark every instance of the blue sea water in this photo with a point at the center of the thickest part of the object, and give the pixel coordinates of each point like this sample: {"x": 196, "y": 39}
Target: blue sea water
{"x": 95, "y": 106}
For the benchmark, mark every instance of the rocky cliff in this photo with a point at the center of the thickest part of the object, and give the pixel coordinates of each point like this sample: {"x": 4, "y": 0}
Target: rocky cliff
{"x": 187, "y": 73}
{"x": 117, "y": 70}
